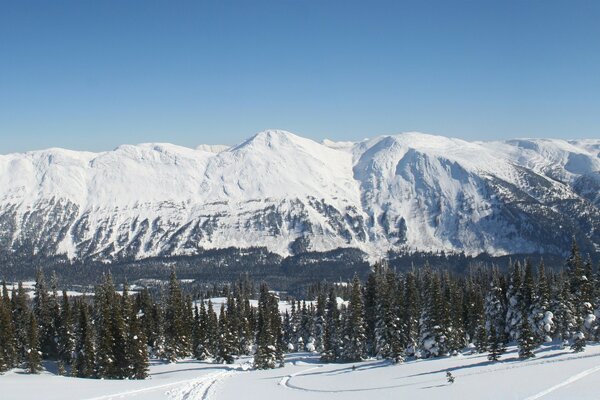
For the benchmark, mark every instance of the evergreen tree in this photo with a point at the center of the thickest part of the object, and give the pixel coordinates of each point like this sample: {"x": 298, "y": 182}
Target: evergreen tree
{"x": 332, "y": 343}
{"x": 83, "y": 363}
{"x": 21, "y": 322}
{"x": 543, "y": 317}
{"x": 411, "y": 314}
{"x": 320, "y": 323}
{"x": 137, "y": 349}
{"x": 433, "y": 340}
{"x": 66, "y": 340}
{"x": 212, "y": 331}
{"x": 104, "y": 304}
{"x": 388, "y": 330}
{"x": 496, "y": 345}
{"x": 44, "y": 307}
{"x": 226, "y": 342}
{"x": 7, "y": 335}
{"x": 514, "y": 303}
{"x": 34, "y": 354}
{"x": 269, "y": 340}
{"x": 177, "y": 339}
{"x": 526, "y": 340}
{"x": 495, "y": 310}
{"x": 354, "y": 338}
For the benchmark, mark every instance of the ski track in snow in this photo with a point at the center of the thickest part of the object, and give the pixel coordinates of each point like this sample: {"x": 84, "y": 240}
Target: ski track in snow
{"x": 199, "y": 389}
{"x": 191, "y": 389}
{"x": 567, "y": 382}
{"x": 286, "y": 381}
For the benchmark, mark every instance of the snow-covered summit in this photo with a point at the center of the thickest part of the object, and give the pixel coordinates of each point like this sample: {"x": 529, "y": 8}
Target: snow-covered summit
{"x": 404, "y": 192}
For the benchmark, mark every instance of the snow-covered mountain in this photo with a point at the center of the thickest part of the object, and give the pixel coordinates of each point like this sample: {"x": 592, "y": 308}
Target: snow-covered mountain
{"x": 403, "y": 192}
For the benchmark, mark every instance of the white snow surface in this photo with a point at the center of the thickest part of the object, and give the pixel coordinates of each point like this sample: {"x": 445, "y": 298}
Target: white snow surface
{"x": 553, "y": 374}
{"x": 408, "y": 191}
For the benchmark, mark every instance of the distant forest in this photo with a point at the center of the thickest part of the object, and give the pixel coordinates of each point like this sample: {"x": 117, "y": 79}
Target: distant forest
{"x": 294, "y": 274}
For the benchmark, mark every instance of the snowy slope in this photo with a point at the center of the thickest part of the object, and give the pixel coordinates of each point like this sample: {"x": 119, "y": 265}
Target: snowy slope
{"x": 403, "y": 192}
{"x": 552, "y": 374}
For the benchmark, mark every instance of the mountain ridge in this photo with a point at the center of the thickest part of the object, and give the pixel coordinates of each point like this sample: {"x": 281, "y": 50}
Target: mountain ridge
{"x": 405, "y": 192}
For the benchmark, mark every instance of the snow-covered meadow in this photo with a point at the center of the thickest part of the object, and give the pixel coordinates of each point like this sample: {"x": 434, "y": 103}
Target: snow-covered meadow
{"x": 554, "y": 373}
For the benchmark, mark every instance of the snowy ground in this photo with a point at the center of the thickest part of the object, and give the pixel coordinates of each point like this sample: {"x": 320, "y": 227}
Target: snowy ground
{"x": 553, "y": 374}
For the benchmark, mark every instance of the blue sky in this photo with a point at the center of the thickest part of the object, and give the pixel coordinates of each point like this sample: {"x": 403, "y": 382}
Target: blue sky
{"x": 95, "y": 74}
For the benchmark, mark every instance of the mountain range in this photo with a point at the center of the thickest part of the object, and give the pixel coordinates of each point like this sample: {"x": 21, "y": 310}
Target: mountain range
{"x": 398, "y": 193}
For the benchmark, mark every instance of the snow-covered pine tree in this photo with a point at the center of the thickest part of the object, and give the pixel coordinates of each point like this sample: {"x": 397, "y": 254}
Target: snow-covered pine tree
{"x": 320, "y": 323}
{"x": 495, "y": 310}
{"x": 514, "y": 303}
{"x": 432, "y": 341}
{"x": 269, "y": 341}
{"x": 354, "y": 331}
{"x": 332, "y": 345}
{"x": 456, "y": 331}
{"x": 245, "y": 334}
{"x": 543, "y": 318}
{"x": 526, "y": 340}
{"x": 564, "y": 310}
{"x": 388, "y": 332}
{"x": 226, "y": 339}
{"x": 578, "y": 293}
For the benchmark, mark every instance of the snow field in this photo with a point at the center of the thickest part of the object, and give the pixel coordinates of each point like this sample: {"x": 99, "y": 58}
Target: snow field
{"x": 554, "y": 373}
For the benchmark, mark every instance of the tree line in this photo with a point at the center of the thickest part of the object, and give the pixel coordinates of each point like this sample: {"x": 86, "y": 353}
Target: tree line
{"x": 112, "y": 335}
{"x": 417, "y": 314}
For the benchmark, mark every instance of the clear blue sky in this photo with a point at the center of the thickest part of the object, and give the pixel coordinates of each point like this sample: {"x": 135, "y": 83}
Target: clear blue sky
{"x": 96, "y": 74}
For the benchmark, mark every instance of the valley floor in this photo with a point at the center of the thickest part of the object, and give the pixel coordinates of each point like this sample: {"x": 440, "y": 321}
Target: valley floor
{"x": 554, "y": 373}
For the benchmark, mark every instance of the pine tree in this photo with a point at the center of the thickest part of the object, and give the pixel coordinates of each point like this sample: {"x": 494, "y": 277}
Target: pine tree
{"x": 7, "y": 335}
{"x": 496, "y": 345}
{"x": 177, "y": 338}
{"x": 526, "y": 340}
{"x": 411, "y": 314}
{"x": 21, "y": 321}
{"x": 212, "y": 331}
{"x": 543, "y": 317}
{"x": 137, "y": 350}
{"x": 495, "y": 310}
{"x": 332, "y": 341}
{"x": 320, "y": 323}
{"x": 83, "y": 365}
{"x": 269, "y": 340}
{"x": 432, "y": 341}
{"x": 354, "y": 338}
{"x": 44, "y": 309}
{"x": 104, "y": 304}
{"x": 481, "y": 339}
{"x": 388, "y": 331}
{"x": 226, "y": 342}
{"x": 66, "y": 340}
{"x": 34, "y": 354}
{"x": 514, "y": 303}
